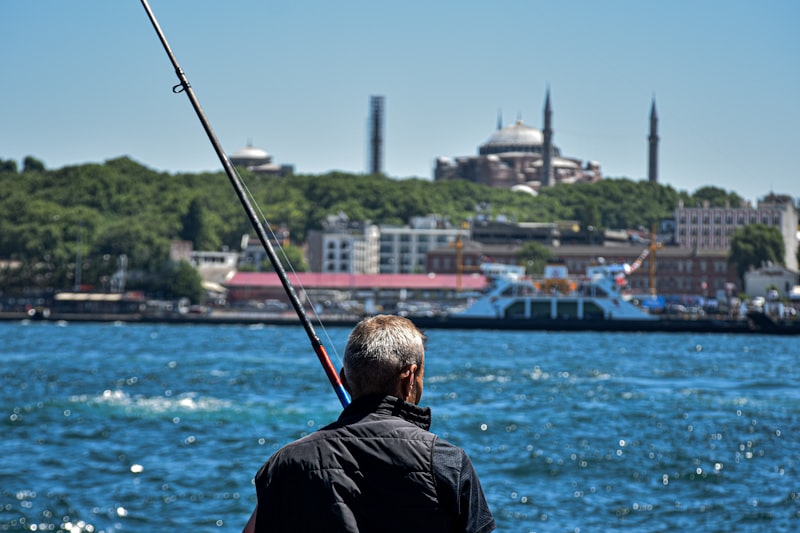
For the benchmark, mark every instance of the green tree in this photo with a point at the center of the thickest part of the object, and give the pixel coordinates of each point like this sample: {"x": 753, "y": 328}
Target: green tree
{"x": 534, "y": 256}
{"x": 291, "y": 258}
{"x": 196, "y": 226}
{"x": 8, "y": 165}
{"x": 184, "y": 282}
{"x": 31, "y": 164}
{"x": 716, "y": 197}
{"x": 754, "y": 245}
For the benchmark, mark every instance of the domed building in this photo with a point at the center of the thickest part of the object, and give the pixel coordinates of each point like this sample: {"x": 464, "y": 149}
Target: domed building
{"x": 258, "y": 161}
{"x": 521, "y": 157}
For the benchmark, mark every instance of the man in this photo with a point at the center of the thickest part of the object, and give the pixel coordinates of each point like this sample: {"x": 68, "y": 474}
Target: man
{"x": 377, "y": 468}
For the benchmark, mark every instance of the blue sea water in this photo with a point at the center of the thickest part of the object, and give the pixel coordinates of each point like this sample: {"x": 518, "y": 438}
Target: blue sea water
{"x": 161, "y": 428}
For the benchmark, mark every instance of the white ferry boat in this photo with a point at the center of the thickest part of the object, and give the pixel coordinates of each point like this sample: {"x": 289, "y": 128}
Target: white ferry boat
{"x": 597, "y": 296}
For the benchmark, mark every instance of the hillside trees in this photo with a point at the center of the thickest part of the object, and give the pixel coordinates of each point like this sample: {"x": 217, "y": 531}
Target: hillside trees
{"x": 98, "y": 212}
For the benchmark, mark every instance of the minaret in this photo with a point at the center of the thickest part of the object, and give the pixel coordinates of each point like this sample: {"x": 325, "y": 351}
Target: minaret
{"x": 652, "y": 166}
{"x": 499, "y": 119}
{"x": 376, "y": 134}
{"x": 547, "y": 157}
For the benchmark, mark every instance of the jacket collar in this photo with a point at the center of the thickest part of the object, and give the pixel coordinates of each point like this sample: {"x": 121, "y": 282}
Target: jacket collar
{"x": 388, "y": 406}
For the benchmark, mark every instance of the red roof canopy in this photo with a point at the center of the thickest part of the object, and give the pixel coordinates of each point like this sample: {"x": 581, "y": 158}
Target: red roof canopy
{"x": 319, "y": 280}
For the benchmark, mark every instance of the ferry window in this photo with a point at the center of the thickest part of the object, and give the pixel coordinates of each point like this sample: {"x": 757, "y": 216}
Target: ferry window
{"x": 516, "y": 310}
{"x": 592, "y": 310}
{"x": 540, "y": 309}
{"x": 567, "y": 310}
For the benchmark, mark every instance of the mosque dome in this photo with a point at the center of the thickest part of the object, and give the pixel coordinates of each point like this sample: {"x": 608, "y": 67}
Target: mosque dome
{"x": 514, "y": 138}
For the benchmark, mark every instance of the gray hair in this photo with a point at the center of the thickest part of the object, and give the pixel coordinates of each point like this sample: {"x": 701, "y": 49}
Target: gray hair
{"x": 377, "y": 350}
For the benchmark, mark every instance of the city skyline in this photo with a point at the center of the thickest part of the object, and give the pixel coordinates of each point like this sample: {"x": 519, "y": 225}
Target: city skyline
{"x": 92, "y": 83}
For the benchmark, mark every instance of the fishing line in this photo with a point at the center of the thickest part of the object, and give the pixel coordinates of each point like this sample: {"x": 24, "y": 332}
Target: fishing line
{"x": 236, "y": 182}
{"x": 290, "y": 266}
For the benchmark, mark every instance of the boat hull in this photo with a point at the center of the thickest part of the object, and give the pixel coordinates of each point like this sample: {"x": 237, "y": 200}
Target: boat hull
{"x": 666, "y": 325}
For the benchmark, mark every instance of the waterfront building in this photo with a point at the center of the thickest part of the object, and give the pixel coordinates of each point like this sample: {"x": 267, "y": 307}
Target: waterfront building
{"x": 343, "y": 246}
{"x": 520, "y": 157}
{"x": 759, "y": 281}
{"x": 338, "y": 291}
{"x": 403, "y": 248}
{"x": 710, "y": 228}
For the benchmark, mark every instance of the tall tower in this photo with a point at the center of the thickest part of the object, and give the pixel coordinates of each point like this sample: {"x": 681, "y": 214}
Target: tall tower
{"x": 376, "y": 106}
{"x": 652, "y": 166}
{"x": 547, "y": 157}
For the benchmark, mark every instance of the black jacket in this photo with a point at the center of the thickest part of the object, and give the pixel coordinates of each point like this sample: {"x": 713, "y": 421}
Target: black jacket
{"x": 377, "y": 468}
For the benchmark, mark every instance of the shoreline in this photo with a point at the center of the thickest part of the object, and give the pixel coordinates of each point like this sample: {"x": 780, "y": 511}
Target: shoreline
{"x": 753, "y": 324}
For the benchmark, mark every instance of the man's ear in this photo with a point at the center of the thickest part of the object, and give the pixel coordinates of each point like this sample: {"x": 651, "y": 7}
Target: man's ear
{"x": 408, "y": 381}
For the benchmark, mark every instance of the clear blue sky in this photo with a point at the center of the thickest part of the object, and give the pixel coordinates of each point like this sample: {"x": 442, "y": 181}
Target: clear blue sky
{"x": 88, "y": 81}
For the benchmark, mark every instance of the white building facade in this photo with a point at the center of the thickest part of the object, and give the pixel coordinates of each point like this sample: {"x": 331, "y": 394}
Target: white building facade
{"x": 344, "y": 247}
{"x": 403, "y": 249}
{"x": 711, "y": 228}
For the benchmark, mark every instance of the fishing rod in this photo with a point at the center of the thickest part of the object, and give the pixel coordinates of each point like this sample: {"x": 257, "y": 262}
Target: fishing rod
{"x": 185, "y": 87}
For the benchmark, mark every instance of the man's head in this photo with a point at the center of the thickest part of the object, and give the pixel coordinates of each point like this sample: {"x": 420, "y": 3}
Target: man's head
{"x": 385, "y": 354}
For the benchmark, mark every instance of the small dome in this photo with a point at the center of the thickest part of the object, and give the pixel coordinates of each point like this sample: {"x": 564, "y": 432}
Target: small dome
{"x": 250, "y": 155}
{"x": 520, "y": 187}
